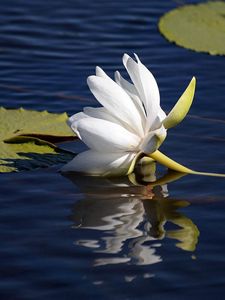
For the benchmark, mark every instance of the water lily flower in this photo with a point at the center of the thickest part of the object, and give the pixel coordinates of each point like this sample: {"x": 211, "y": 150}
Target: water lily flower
{"x": 129, "y": 123}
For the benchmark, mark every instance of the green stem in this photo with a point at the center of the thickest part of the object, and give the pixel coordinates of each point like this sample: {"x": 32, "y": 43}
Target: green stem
{"x": 173, "y": 165}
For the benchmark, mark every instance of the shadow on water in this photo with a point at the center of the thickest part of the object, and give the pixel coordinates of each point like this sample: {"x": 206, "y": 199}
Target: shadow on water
{"x": 131, "y": 217}
{"x": 30, "y": 161}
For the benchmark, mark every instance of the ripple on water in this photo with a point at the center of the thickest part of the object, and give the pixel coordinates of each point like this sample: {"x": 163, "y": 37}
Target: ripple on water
{"x": 76, "y": 237}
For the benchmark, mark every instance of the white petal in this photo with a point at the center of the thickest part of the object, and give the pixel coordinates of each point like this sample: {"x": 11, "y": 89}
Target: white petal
{"x": 105, "y": 136}
{"x": 153, "y": 140}
{"x": 100, "y": 72}
{"x": 151, "y": 91}
{"x": 101, "y": 113}
{"x": 159, "y": 120}
{"x": 125, "y": 59}
{"x": 146, "y": 86}
{"x": 96, "y": 163}
{"x": 132, "y": 92}
{"x": 126, "y": 85}
{"x": 76, "y": 117}
{"x": 94, "y": 112}
{"x": 116, "y": 101}
{"x": 150, "y": 144}
{"x": 161, "y": 115}
{"x": 149, "y": 84}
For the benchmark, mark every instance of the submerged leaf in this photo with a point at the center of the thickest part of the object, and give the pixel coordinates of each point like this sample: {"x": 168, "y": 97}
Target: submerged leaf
{"x": 198, "y": 27}
{"x": 20, "y": 147}
{"x": 180, "y": 110}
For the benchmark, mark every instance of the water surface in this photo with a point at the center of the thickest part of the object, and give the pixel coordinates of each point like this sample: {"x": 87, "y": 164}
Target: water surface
{"x": 73, "y": 237}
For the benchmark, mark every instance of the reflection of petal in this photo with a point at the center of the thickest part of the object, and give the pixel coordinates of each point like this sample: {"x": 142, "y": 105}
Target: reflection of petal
{"x": 129, "y": 278}
{"x": 88, "y": 243}
{"x": 127, "y": 209}
{"x": 144, "y": 254}
{"x": 111, "y": 261}
{"x": 131, "y": 218}
{"x": 105, "y": 215}
{"x": 165, "y": 192}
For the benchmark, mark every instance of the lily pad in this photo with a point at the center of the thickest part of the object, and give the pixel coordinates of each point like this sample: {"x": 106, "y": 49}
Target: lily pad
{"x": 40, "y": 124}
{"x": 24, "y": 139}
{"x": 198, "y": 27}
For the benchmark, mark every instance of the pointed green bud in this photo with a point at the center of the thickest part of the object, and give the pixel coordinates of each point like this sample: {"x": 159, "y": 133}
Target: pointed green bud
{"x": 181, "y": 108}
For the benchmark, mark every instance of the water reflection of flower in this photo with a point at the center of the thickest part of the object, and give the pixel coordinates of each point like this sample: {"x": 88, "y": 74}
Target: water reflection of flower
{"x": 132, "y": 218}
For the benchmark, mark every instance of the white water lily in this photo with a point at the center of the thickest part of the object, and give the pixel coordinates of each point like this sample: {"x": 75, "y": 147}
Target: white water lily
{"x": 129, "y": 123}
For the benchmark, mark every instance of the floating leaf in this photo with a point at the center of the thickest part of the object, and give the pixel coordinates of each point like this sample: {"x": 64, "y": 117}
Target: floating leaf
{"x": 45, "y": 125}
{"x": 20, "y": 147}
{"x": 198, "y": 27}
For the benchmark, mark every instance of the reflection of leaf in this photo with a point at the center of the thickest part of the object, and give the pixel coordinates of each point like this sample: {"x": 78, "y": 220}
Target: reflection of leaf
{"x": 159, "y": 210}
{"x": 198, "y": 27}
{"x": 166, "y": 210}
{"x": 187, "y": 235}
{"x": 20, "y": 133}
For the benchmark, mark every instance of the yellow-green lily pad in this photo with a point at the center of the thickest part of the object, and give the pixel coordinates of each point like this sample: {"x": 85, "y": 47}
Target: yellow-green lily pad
{"x": 25, "y": 136}
{"x": 198, "y": 27}
{"x": 40, "y": 124}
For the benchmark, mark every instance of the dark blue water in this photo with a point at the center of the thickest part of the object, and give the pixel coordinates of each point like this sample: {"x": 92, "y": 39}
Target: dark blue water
{"x": 79, "y": 238}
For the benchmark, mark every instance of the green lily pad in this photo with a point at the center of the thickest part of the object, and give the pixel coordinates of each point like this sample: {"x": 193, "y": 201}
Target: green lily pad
{"x": 198, "y": 27}
{"x": 25, "y": 136}
{"x": 40, "y": 124}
